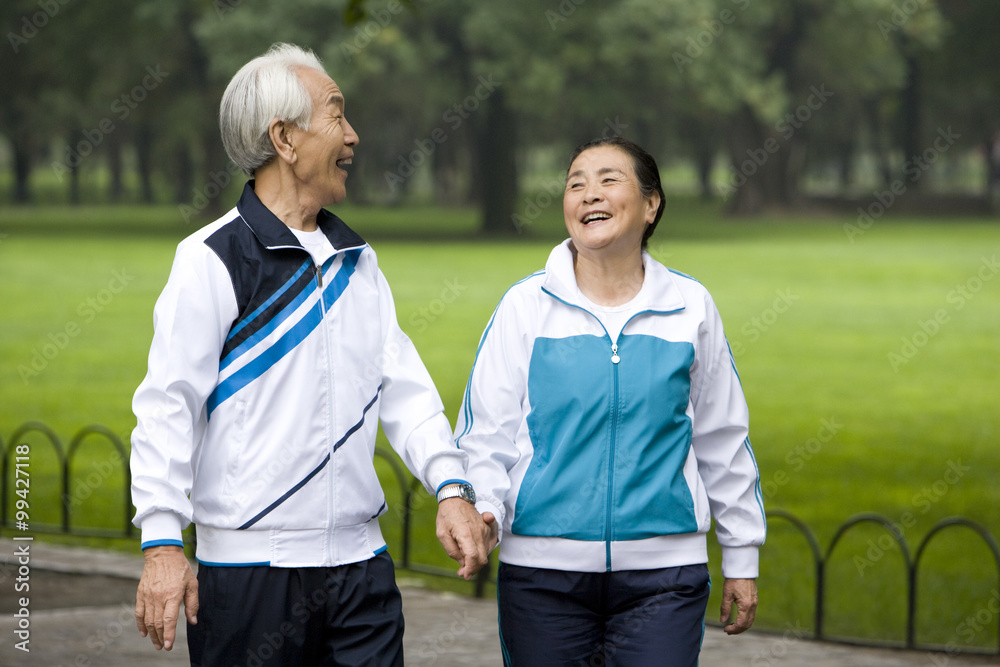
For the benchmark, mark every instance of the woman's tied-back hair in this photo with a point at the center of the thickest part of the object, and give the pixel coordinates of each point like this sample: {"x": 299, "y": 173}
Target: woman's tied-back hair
{"x": 264, "y": 89}
{"x": 645, "y": 169}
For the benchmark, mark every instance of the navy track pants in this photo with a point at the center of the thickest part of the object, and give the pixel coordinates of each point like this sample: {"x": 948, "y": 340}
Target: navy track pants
{"x": 632, "y": 617}
{"x": 323, "y": 616}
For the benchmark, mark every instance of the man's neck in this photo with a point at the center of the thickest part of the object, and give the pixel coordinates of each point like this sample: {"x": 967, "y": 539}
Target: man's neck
{"x": 286, "y": 200}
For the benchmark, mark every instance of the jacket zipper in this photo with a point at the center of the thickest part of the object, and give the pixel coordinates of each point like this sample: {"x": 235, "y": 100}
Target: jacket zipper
{"x": 609, "y": 520}
{"x": 329, "y": 369}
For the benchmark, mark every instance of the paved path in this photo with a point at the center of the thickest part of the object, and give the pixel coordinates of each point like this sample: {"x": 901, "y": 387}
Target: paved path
{"x": 442, "y": 629}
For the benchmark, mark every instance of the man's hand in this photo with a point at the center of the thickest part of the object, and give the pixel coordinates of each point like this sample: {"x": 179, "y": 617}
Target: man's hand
{"x": 742, "y": 593}
{"x": 466, "y": 535}
{"x": 167, "y": 579}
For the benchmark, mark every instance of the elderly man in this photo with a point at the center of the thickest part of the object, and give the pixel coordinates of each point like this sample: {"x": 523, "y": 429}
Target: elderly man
{"x": 275, "y": 353}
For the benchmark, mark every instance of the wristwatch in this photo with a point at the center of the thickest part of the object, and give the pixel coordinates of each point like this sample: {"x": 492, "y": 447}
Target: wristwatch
{"x": 461, "y": 490}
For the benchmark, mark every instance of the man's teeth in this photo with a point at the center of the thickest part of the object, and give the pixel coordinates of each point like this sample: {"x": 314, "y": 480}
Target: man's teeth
{"x": 591, "y": 217}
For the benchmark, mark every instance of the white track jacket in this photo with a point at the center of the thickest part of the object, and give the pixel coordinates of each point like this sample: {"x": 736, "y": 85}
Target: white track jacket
{"x": 599, "y": 455}
{"x": 268, "y": 376}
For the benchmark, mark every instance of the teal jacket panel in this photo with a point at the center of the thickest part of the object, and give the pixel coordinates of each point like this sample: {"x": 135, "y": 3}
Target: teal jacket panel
{"x": 609, "y": 440}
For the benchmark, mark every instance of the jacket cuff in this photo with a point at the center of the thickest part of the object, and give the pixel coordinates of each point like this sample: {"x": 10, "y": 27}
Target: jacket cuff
{"x": 161, "y": 529}
{"x": 740, "y": 562}
{"x": 442, "y": 468}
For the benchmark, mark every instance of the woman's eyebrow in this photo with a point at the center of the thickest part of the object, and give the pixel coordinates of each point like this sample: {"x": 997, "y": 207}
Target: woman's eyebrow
{"x": 600, "y": 172}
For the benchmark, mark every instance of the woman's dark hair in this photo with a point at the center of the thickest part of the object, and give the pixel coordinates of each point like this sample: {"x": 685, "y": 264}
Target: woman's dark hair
{"x": 645, "y": 170}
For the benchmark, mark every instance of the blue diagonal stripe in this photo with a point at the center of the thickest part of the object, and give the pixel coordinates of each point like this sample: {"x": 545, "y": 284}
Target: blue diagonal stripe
{"x": 339, "y": 282}
{"x": 267, "y": 359}
{"x": 298, "y": 333}
{"x": 267, "y": 329}
{"x": 274, "y": 297}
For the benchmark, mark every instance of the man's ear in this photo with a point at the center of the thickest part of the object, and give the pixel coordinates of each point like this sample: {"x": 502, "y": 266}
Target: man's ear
{"x": 281, "y": 139}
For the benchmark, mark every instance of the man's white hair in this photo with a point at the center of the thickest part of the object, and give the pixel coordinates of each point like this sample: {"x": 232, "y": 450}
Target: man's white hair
{"x": 264, "y": 89}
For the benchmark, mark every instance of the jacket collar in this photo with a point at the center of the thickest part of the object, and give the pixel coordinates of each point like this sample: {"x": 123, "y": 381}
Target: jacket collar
{"x": 273, "y": 233}
{"x": 659, "y": 292}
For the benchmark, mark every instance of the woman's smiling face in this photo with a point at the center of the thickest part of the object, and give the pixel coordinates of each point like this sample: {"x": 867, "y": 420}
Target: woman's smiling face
{"x": 603, "y": 207}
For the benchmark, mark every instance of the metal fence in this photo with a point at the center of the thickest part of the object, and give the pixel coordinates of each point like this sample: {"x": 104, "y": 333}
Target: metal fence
{"x": 410, "y": 490}
{"x": 911, "y": 563}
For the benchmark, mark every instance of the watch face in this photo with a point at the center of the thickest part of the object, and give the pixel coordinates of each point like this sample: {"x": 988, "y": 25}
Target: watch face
{"x": 467, "y": 493}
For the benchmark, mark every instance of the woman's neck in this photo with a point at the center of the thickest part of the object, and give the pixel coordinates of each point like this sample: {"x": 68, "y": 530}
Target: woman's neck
{"x": 609, "y": 280}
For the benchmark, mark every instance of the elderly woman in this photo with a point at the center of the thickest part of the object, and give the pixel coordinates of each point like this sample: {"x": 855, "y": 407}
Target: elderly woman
{"x": 605, "y": 426}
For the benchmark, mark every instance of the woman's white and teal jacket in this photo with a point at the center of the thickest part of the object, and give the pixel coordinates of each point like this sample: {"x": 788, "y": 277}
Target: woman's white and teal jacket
{"x": 268, "y": 377}
{"x": 602, "y": 455}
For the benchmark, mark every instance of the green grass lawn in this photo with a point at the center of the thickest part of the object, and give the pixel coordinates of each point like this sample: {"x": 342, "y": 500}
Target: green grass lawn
{"x": 870, "y": 364}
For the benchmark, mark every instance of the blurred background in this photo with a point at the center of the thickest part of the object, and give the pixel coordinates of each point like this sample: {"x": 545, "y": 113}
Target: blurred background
{"x": 768, "y": 103}
{"x": 833, "y": 177}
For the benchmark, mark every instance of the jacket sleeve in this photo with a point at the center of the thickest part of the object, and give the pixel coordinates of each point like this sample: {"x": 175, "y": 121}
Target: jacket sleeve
{"x": 492, "y": 410}
{"x": 191, "y": 319}
{"x": 721, "y": 444}
{"x": 411, "y": 411}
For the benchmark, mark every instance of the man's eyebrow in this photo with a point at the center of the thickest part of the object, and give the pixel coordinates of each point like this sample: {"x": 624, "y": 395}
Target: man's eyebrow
{"x": 336, "y": 99}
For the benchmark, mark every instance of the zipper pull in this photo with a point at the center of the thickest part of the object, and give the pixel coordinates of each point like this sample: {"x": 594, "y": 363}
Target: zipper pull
{"x": 614, "y": 353}
{"x": 319, "y": 275}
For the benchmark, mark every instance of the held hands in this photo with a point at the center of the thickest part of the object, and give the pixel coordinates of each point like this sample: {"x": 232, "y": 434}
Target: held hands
{"x": 743, "y": 594}
{"x": 466, "y": 535}
{"x": 167, "y": 580}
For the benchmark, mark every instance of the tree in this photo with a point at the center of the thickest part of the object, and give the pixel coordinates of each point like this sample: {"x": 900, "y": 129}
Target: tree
{"x": 963, "y": 81}
{"x": 771, "y": 70}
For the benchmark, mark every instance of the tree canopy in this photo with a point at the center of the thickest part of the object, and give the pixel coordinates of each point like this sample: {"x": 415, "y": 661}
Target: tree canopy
{"x": 463, "y": 95}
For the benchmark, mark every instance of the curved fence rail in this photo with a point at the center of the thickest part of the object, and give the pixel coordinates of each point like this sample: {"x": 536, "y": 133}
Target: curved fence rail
{"x": 73, "y": 490}
{"x": 911, "y": 563}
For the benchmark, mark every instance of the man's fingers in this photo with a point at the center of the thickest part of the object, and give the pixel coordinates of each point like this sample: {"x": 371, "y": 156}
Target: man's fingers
{"x": 140, "y": 614}
{"x": 472, "y": 559}
{"x": 169, "y": 626}
{"x": 154, "y": 626}
{"x": 742, "y": 593}
{"x": 726, "y": 611}
{"x": 191, "y": 603}
{"x": 448, "y": 542}
{"x": 744, "y": 619}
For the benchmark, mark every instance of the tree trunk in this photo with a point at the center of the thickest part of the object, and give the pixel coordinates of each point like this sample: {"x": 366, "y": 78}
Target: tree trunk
{"x": 22, "y": 170}
{"x": 879, "y": 142}
{"x": 446, "y": 174}
{"x": 74, "y": 175}
{"x": 705, "y": 160}
{"x": 183, "y": 176}
{"x": 74, "y": 184}
{"x": 910, "y": 116}
{"x": 761, "y": 178}
{"x": 845, "y": 164}
{"x": 216, "y": 163}
{"x": 115, "y": 187}
{"x": 496, "y": 157}
{"x": 144, "y": 161}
